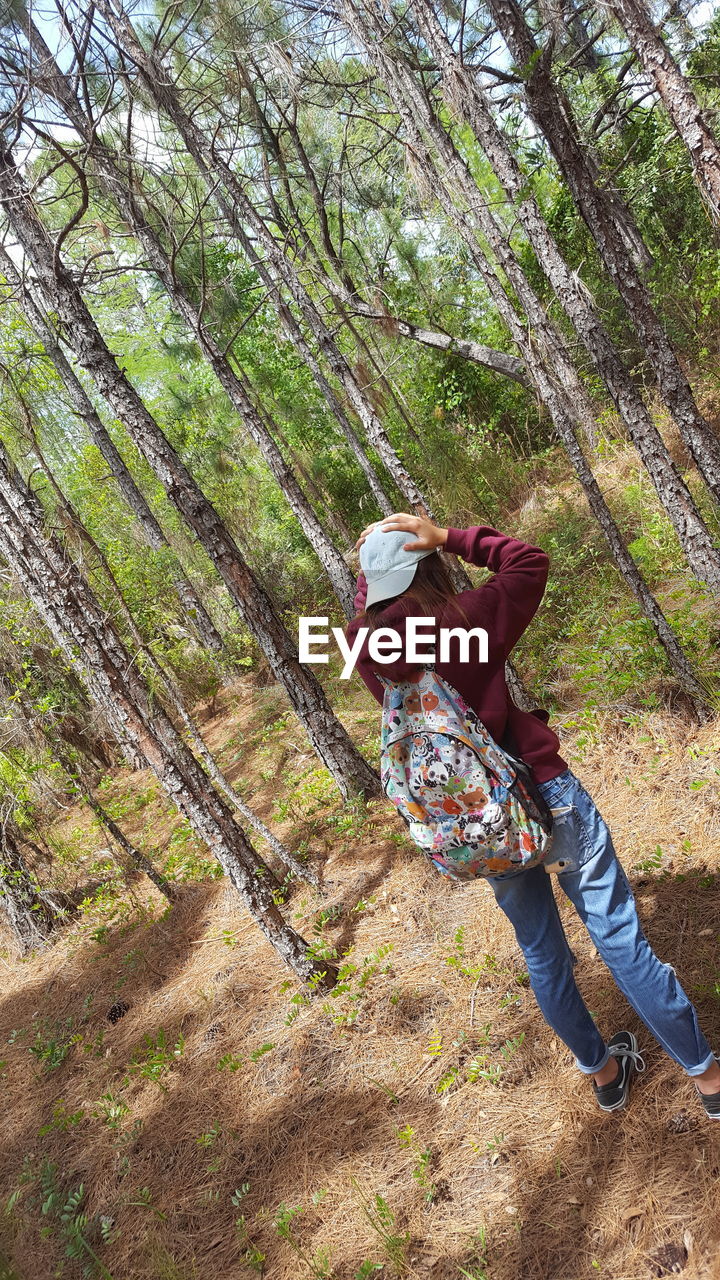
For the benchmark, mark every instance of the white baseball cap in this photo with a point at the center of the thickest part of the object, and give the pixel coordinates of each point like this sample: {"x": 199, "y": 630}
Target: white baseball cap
{"x": 389, "y": 570}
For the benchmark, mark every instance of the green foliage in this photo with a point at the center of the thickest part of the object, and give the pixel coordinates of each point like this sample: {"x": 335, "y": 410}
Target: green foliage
{"x": 353, "y": 985}
{"x": 381, "y": 1218}
{"x": 62, "y": 1119}
{"x": 63, "y": 1210}
{"x": 156, "y": 1059}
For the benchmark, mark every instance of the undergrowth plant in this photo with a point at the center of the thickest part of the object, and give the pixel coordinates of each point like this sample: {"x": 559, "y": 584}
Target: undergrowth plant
{"x": 254, "y": 1257}
{"x": 353, "y": 984}
{"x": 317, "y": 1264}
{"x": 65, "y": 1217}
{"x": 423, "y": 1157}
{"x": 155, "y": 1060}
{"x": 380, "y": 1217}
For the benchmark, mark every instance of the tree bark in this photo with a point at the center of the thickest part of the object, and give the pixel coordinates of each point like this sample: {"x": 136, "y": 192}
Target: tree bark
{"x": 81, "y": 628}
{"x": 677, "y": 96}
{"x": 327, "y": 735}
{"x": 84, "y": 408}
{"x": 30, "y": 915}
{"x": 421, "y": 123}
{"x": 553, "y": 114}
{"x": 240, "y": 213}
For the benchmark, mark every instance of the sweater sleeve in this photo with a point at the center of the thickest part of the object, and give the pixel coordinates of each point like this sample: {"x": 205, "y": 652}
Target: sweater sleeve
{"x": 508, "y": 602}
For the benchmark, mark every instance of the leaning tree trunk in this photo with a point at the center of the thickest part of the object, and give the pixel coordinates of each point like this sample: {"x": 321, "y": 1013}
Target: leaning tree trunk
{"x": 83, "y": 406}
{"x": 568, "y": 407}
{"x": 46, "y": 76}
{"x": 81, "y": 628}
{"x": 29, "y": 914}
{"x": 553, "y": 114}
{"x": 500, "y": 362}
{"x": 457, "y": 182}
{"x": 136, "y": 857}
{"x": 240, "y": 212}
{"x": 677, "y": 95}
{"x": 167, "y": 683}
{"x": 327, "y": 735}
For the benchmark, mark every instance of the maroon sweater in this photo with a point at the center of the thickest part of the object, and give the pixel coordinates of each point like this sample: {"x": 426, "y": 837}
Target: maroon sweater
{"x": 503, "y": 606}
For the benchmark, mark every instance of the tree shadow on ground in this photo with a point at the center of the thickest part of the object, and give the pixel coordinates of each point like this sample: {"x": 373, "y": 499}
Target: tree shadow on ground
{"x": 581, "y": 1185}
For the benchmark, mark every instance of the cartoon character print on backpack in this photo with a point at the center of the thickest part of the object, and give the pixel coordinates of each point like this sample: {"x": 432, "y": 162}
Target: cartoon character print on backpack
{"x": 459, "y": 792}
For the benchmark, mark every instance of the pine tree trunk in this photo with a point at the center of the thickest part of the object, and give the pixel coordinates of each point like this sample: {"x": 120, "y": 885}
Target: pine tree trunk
{"x": 552, "y": 113}
{"x": 30, "y": 916}
{"x": 140, "y": 861}
{"x": 567, "y": 402}
{"x": 51, "y": 80}
{"x": 677, "y": 96}
{"x": 476, "y": 216}
{"x": 327, "y": 735}
{"x": 241, "y": 214}
{"x": 82, "y": 629}
{"x": 83, "y": 406}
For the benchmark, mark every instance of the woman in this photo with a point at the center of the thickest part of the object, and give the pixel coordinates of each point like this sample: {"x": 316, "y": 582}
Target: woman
{"x": 408, "y": 578}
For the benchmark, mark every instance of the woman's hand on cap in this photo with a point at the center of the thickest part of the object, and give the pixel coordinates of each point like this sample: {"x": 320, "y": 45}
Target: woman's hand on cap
{"x": 368, "y": 529}
{"x": 428, "y": 535}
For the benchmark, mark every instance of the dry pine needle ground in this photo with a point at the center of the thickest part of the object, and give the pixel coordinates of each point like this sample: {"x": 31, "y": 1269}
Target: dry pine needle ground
{"x": 433, "y": 1085}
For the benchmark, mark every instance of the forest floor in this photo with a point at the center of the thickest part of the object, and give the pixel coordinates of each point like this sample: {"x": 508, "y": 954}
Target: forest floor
{"x": 423, "y": 1122}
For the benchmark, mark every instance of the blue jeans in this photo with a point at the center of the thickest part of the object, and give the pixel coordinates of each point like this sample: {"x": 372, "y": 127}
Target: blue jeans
{"x": 589, "y": 873}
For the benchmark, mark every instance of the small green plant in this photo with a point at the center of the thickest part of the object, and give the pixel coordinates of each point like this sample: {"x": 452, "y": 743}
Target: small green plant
{"x": 447, "y": 1080}
{"x": 314, "y": 792}
{"x": 327, "y": 916}
{"x": 652, "y": 863}
{"x": 209, "y": 1138}
{"x": 111, "y": 1109}
{"x": 511, "y": 1046}
{"x": 318, "y": 1263}
{"x": 381, "y": 1218}
{"x": 62, "y": 1119}
{"x": 478, "y": 1259}
{"x": 156, "y": 1059}
{"x": 493, "y": 1145}
{"x": 367, "y": 1268}
{"x": 230, "y": 1062}
{"x": 63, "y": 1210}
{"x": 299, "y": 1000}
{"x": 481, "y": 1068}
{"x": 353, "y": 983}
{"x": 143, "y": 1199}
{"x": 51, "y": 1050}
{"x": 254, "y": 1257}
{"x": 258, "y": 1053}
{"x": 434, "y": 1047}
{"x": 423, "y": 1162}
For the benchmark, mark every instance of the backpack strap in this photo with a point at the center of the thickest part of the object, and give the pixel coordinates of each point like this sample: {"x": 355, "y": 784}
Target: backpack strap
{"x": 510, "y": 746}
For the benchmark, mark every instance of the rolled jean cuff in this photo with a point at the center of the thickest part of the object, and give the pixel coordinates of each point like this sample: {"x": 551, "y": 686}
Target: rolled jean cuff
{"x": 698, "y": 1071}
{"x": 590, "y": 1071}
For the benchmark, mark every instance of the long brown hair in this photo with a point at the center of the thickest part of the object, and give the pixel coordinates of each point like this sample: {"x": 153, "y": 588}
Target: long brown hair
{"x": 432, "y": 587}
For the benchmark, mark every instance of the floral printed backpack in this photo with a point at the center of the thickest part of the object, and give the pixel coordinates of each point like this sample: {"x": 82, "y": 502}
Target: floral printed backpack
{"x": 471, "y": 806}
